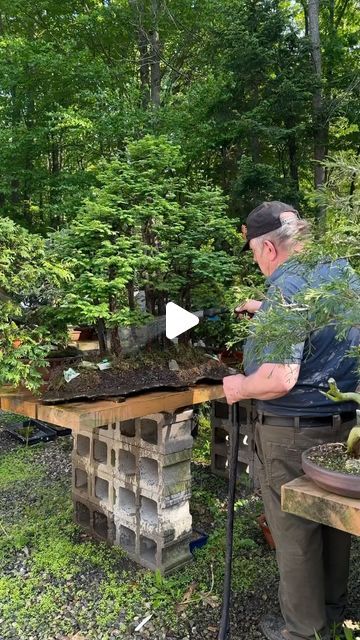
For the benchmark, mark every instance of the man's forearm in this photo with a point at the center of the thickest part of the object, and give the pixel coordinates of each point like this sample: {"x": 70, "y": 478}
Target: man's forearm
{"x": 258, "y": 387}
{"x": 268, "y": 382}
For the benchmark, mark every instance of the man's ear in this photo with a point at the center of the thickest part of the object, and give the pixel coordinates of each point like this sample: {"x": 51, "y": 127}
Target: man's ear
{"x": 271, "y": 249}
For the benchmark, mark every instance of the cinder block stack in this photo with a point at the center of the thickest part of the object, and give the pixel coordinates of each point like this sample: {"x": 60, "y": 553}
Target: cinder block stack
{"x": 222, "y": 428}
{"x": 131, "y": 486}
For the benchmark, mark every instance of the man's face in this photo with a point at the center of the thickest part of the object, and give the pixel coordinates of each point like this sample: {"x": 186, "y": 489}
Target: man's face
{"x": 259, "y": 251}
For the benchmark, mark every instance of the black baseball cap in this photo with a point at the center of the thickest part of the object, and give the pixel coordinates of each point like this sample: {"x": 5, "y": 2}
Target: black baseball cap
{"x": 264, "y": 219}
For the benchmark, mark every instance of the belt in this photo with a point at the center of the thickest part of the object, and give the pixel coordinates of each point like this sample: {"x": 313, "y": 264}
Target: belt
{"x": 333, "y": 420}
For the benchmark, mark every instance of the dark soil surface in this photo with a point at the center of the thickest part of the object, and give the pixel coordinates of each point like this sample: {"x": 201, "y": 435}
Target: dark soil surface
{"x": 144, "y": 372}
{"x": 335, "y": 458}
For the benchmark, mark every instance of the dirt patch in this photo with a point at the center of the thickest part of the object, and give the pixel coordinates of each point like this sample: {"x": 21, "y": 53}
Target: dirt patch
{"x": 142, "y": 372}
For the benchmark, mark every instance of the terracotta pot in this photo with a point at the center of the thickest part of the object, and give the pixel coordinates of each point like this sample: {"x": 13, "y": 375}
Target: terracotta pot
{"x": 230, "y": 357}
{"x": 74, "y": 335}
{"x": 266, "y": 530}
{"x": 343, "y": 484}
{"x": 17, "y": 343}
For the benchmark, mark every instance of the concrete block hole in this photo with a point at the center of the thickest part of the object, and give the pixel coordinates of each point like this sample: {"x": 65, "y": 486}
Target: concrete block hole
{"x": 101, "y": 526}
{"x": 101, "y": 488}
{"x": 127, "y": 428}
{"x": 149, "y": 431}
{"x": 221, "y": 410}
{"x": 149, "y": 511}
{"x": 127, "y": 463}
{"x": 83, "y": 445}
{"x": 221, "y": 436}
{"x": 148, "y": 549}
{"x": 82, "y": 514}
{"x": 127, "y": 539}
{"x": 81, "y": 480}
{"x": 149, "y": 472}
{"x": 221, "y": 462}
{"x": 100, "y": 451}
{"x": 127, "y": 501}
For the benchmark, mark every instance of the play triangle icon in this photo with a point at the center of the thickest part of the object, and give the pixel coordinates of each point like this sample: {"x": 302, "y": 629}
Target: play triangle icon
{"x": 178, "y": 320}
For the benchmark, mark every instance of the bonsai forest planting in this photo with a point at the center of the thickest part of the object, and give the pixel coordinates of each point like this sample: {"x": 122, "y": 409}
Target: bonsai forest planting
{"x": 146, "y": 234}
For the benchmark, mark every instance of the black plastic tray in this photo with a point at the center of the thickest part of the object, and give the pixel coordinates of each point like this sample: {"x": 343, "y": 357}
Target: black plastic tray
{"x": 38, "y": 431}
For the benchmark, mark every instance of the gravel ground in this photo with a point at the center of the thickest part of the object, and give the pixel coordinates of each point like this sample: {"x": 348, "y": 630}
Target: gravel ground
{"x": 200, "y": 623}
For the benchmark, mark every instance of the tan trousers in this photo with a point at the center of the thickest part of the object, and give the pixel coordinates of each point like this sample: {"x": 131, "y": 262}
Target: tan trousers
{"x": 313, "y": 559}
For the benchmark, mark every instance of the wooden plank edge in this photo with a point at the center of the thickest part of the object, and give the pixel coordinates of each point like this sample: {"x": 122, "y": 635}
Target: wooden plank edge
{"x": 322, "y": 506}
{"x": 104, "y": 412}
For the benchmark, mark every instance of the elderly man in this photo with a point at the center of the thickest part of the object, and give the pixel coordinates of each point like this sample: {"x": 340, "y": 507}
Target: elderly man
{"x": 293, "y": 415}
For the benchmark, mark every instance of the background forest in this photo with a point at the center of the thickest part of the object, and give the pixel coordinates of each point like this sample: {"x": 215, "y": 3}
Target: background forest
{"x": 253, "y": 92}
{"x": 135, "y": 137}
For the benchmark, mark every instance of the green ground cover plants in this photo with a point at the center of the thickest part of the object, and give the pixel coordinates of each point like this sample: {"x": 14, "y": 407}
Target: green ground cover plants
{"x": 55, "y": 579}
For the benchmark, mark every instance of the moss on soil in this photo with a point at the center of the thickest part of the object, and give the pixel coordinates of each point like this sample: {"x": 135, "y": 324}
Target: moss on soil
{"x": 333, "y": 457}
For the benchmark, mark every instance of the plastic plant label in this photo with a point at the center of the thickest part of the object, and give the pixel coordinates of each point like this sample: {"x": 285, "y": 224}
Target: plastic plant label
{"x": 70, "y": 374}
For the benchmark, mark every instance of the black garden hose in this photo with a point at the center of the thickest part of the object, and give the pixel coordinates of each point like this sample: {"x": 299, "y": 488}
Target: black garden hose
{"x": 224, "y": 630}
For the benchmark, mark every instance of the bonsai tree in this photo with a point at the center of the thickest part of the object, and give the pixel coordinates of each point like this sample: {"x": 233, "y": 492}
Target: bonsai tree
{"x": 147, "y": 226}
{"x": 353, "y": 441}
{"x": 28, "y": 281}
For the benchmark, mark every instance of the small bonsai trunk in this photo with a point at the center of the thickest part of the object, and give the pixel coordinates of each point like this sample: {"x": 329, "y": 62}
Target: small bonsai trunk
{"x": 101, "y": 333}
{"x": 115, "y": 341}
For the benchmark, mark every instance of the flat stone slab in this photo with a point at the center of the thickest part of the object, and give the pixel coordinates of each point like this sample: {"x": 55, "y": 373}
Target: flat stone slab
{"x": 302, "y": 497}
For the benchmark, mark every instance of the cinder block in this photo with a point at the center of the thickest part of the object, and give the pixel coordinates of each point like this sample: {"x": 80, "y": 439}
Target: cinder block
{"x": 82, "y": 445}
{"x": 165, "y": 558}
{"x": 95, "y": 520}
{"x": 175, "y": 556}
{"x": 126, "y": 431}
{"x": 169, "y": 523}
{"x": 127, "y": 539}
{"x": 166, "y": 433}
{"x": 221, "y": 413}
{"x": 102, "y": 490}
{"x": 165, "y": 478}
{"x": 126, "y": 506}
{"x": 81, "y": 480}
{"x": 222, "y": 433}
{"x": 132, "y": 483}
{"x": 126, "y": 462}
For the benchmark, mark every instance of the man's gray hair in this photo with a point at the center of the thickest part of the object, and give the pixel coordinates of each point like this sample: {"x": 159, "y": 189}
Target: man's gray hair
{"x": 293, "y": 230}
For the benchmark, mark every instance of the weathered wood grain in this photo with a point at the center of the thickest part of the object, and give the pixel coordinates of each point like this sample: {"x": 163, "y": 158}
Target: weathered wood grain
{"x": 95, "y": 414}
{"x": 304, "y": 498}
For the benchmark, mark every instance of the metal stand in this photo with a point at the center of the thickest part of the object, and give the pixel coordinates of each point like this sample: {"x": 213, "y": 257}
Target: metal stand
{"x": 224, "y": 631}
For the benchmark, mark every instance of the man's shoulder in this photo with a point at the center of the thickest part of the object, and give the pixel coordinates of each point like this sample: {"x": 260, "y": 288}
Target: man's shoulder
{"x": 294, "y": 276}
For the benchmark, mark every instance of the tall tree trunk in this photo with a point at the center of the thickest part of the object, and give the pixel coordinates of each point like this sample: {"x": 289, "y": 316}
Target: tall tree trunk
{"x": 143, "y": 47}
{"x": 319, "y": 123}
{"x": 293, "y": 163}
{"x": 155, "y": 56}
{"x": 143, "y": 44}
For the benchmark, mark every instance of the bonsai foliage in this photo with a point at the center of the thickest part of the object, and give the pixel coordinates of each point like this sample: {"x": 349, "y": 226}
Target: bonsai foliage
{"x": 26, "y": 278}
{"x": 147, "y": 226}
{"x": 353, "y": 441}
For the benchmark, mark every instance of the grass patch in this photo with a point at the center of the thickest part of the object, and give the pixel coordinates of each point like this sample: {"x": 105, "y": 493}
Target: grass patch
{"x": 19, "y": 466}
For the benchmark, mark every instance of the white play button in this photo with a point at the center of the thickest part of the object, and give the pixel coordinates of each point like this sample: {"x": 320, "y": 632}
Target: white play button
{"x": 178, "y": 320}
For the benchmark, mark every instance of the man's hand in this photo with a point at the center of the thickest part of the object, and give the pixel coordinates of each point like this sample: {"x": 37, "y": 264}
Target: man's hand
{"x": 232, "y": 388}
{"x": 250, "y": 306}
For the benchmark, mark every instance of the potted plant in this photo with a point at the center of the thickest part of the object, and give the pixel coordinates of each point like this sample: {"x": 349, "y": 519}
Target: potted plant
{"x": 336, "y": 466}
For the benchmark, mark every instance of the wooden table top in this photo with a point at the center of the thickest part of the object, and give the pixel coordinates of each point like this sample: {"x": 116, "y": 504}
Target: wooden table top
{"x": 75, "y": 415}
{"x": 302, "y": 497}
